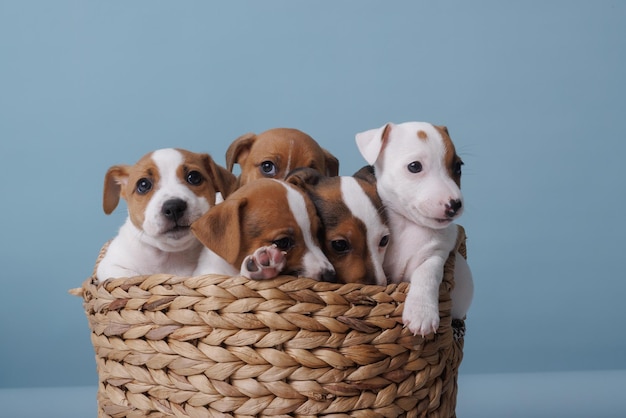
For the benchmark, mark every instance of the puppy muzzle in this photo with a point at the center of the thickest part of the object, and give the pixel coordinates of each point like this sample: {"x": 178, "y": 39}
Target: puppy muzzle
{"x": 174, "y": 211}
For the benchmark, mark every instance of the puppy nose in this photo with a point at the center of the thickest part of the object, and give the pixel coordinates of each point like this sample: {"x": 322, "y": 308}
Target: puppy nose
{"x": 174, "y": 209}
{"x": 452, "y": 207}
{"x": 329, "y": 276}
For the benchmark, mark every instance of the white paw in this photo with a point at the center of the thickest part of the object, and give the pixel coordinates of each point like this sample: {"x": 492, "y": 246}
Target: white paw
{"x": 264, "y": 263}
{"x": 421, "y": 318}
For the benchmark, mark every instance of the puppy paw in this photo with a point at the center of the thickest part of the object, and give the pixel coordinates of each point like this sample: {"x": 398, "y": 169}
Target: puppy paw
{"x": 264, "y": 263}
{"x": 421, "y": 319}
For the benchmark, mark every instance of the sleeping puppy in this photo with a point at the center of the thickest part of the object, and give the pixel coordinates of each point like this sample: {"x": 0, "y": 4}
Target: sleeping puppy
{"x": 276, "y": 152}
{"x": 355, "y": 234}
{"x": 165, "y": 191}
{"x": 265, "y": 228}
{"x": 418, "y": 179}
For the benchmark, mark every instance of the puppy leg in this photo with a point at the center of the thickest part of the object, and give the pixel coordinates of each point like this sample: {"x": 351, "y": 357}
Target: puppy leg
{"x": 463, "y": 291}
{"x": 421, "y": 307}
{"x": 264, "y": 263}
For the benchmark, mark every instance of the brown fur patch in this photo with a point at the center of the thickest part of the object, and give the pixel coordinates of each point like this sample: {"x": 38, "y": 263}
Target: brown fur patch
{"x": 215, "y": 177}
{"x": 136, "y": 202}
{"x": 422, "y": 135}
{"x": 451, "y": 158}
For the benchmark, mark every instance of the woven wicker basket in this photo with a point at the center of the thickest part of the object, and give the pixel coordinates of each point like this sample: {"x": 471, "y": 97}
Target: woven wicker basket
{"x": 221, "y": 346}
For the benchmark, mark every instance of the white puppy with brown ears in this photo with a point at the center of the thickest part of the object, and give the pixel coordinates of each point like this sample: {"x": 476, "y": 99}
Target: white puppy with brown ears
{"x": 418, "y": 177}
{"x": 165, "y": 191}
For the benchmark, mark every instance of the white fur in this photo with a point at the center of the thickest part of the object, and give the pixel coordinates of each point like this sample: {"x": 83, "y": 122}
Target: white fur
{"x": 422, "y": 236}
{"x": 130, "y": 254}
{"x": 362, "y": 208}
{"x": 152, "y": 249}
{"x": 211, "y": 263}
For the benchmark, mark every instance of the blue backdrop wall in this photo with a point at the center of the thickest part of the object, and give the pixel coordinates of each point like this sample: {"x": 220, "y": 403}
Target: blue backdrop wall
{"x": 534, "y": 95}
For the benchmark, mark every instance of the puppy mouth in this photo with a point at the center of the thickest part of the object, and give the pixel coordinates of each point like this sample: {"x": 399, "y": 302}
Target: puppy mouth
{"x": 439, "y": 222}
{"x": 178, "y": 231}
{"x": 443, "y": 220}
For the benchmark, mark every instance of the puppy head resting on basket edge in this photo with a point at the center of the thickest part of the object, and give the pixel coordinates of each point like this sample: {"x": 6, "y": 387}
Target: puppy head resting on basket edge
{"x": 165, "y": 191}
{"x": 265, "y": 228}
{"x": 276, "y": 152}
{"x": 355, "y": 234}
{"x": 418, "y": 177}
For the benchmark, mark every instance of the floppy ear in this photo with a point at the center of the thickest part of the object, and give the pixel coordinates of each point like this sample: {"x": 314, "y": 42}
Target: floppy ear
{"x": 224, "y": 181}
{"x": 115, "y": 178}
{"x": 443, "y": 128}
{"x": 303, "y": 177}
{"x": 219, "y": 229}
{"x": 367, "y": 174}
{"x": 371, "y": 143}
{"x": 332, "y": 164}
{"x": 238, "y": 151}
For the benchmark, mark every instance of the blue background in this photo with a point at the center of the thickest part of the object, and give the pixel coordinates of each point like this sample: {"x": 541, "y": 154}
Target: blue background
{"x": 534, "y": 95}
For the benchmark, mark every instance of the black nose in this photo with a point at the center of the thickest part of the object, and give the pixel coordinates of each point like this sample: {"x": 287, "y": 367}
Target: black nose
{"x": 174, "y": 209}
{"x": 329, "y": 276}
{"x": 452, "y": 208}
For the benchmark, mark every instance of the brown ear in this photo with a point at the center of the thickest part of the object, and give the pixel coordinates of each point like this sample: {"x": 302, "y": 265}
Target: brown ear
{"x": 224, "y": 181}
{"x": 238, "y": 151}
{"x": 332, "y": 164}
{"x": 366, "y": 173}
{"x": 219, "y": 229}
{"x": 115, "y": 178}
{"x": 304, "y": 176}
{"x": 443, "y": 128}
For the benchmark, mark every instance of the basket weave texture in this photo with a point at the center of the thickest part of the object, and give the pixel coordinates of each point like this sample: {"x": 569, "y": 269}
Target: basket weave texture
{"x": 222, "y": 346}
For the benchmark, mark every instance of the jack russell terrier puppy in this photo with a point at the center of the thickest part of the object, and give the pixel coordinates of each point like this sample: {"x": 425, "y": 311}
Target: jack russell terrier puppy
{"x": 275, "y": 153}
{"x": 265, "y": 228}
{"x": 418, "y": 177}
{"x": 355, "y": 231}
{"x": 165, "y": 191}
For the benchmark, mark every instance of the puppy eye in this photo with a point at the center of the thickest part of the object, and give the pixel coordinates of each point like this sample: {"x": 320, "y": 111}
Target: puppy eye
{"x": 415, "y": 167}
{"x": 284, "y": 244}
{"x": 384, "y": 241}
{"x": 457, "y": 168}
{"x": 340, "y": 245}
{"x": 268, "y": 169}
{"x": 194, "y": 178}
{"x": 143, "y": 186}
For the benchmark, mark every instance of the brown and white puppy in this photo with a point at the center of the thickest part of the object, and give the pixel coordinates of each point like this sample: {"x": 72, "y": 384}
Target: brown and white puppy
{"x": 418, "y": 175}
{"x": 355, "y": 234}
{"x": 265, "y": 228}
{"x": 276, "y": 152}
{"x": 165, "y": 191}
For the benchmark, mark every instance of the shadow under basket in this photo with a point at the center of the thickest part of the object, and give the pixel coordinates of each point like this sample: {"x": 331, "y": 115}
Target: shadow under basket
{"x": 222, "y": 346}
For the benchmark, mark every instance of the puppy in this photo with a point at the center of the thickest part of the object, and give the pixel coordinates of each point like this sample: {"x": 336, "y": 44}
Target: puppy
{"x": 274, "y": 153}
{"x": 355, "y": 233}
{"x": 265, "y": 228}
{"x": 165, "y": 191}
{"x": 418, "y": 179}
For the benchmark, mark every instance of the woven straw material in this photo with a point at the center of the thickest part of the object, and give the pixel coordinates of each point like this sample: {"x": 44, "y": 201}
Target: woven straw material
{"x": 221, "y": 346}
